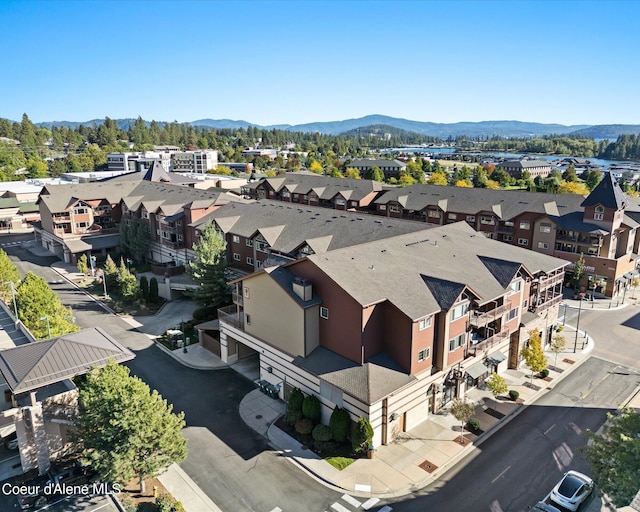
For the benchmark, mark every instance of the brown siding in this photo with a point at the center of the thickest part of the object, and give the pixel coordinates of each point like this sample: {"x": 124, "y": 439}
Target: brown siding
{"x": 398, "y": 331}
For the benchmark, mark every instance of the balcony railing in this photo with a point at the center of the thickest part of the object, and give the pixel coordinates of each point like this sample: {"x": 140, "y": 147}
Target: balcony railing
{"x": 489, "y": 342}
{"x": 61, "y": 218}
{"x": 546, "y": 282}
{"x": 237, "y": 298}
{"x": 546, "y": 304}
{"x": 482, "y": 317}
{"x": 232, "y": 315}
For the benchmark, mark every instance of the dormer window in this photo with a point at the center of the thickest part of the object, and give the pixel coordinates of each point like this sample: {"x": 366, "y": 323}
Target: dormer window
{"x": 598, "y": 213}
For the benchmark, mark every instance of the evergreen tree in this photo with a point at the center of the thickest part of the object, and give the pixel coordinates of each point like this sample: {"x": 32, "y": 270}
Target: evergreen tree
{"x": 126, "y": 429}
{"x": 8, "y": 273}
{"x": 208, "y": 269}
{"x": 154, "y": 296}
{"x": 83, "y": 265}
{"x": 144, "y": 287}
{"x": 614, "y": 456}
{"x": 128, "y": 283}
{"x": 40, "y": 309}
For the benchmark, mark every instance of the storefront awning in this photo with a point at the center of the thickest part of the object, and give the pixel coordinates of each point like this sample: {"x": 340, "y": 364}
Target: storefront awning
{"x": 477, "y": 370}
{"x": 497, "y": 358}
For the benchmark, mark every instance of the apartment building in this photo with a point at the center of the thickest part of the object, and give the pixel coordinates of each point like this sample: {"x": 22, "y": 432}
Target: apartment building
{"x": 535, "y": 168}
{"x": 266, "y": 232}
{"x": 314, "y": 190}
{"x": 602, "y": 227}
{"x": 198, "y": 162}
{"x": 390, "y": 168}
{"x": 85, "y": 218}
{"x": 394, "y": 329}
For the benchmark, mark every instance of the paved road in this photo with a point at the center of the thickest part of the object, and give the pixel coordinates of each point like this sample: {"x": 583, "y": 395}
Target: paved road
{"x": 93, "y": 503}
{"x": 229, "y": 461}
{"x": 515, "y": 469}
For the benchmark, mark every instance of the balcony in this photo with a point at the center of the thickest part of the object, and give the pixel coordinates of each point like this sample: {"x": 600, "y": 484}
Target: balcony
{"x": 479, "y": 318}
{"x": 505, "y": 230}
{"x": 485, "y": 344}
{"x": 237, "y": 298}
{"x": 232, "y": 315}
{"x": 62, "y": 218}
{"x": 542, "y": 306}
{"x": 549, "y": 281}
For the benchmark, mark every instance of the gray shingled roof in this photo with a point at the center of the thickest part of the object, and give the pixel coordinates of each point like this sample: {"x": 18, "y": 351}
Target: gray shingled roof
{"x": 607, "y": 193}
{"x": 325, "y": 186}
{"x": 288, "y": 226}
{"x": 524, "y": 164}
{"x": 575, "y": 222}
{"x": 376, "y": 162}
{"x": 507, "y": 204}
{"x": 35, "y": 365}
{"x": 156, "y": 173}
{"x": 369, "y": 382}
{"x": 393, "y": 269}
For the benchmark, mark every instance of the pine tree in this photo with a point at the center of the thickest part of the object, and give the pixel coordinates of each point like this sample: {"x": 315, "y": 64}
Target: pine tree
{"x": 40, "y": 309}
{"x": 127, "y": 430}
{"x": 208, "y": 269}
{"x": 83, "y": 265}
{"x": 8, "y": 273}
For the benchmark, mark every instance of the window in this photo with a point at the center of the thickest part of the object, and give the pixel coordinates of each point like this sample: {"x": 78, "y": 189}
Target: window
{"x": 259, "y": 263}
{"x": 459, "y": 311}
{"x": 144, "y": 214}
{"x": 236, "y": 239}
{"x": 246, "y": 292}
{"x": 248, "y": 242}
{"x": 340, "y": 201}
{"x": 425, "y": 323}
{"x": 249, "y": 261}
{"x": 324, "y": 313}
{"x": 81, "y": 225}
{"x": 516, "y": 287}
{"x": 486, "y": 220}
{"x": 599, "y": 213}
{"x": 507, "y": 238}
{"x": 382, "y": 207}
{"x": 285, "y": 193}
{"x": 165, "y": 235}
{"x": 262, "y": 246}
{"x": 471, "y": 218}
{"x": 435, "y": 214}
{"x": 523, "y": 241}
{"x": 512, "y": 314}
{"x": 423, "y": 354}
{"x": 543, "y": 245}
{"x": 451, "y": 216}
{"x": 79, "y": 210}
{"x": 394, "y": 208}
{"x": 236, "y": 256}
{"x": 525, "y": 224}
{"x": 545, "y": 227}
{"x": 179, "y": 238}
{"x": 248, "y": 319}
{"x": 456, "y": 342}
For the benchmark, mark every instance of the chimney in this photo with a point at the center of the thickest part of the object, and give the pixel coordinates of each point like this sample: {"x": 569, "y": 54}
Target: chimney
{"x": 302, "y": 288}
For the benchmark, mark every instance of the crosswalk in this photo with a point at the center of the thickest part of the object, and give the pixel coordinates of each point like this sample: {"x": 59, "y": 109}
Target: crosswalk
{"x": 349, "y": 503}
{"x": 9, "y": 244}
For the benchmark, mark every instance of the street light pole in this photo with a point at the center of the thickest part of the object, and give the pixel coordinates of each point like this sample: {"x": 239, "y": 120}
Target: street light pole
{"x": 104, "y": 283}
{"x": 13, "y": 295}
{"x": 575, "y": 343}
{"x": 46, "y": 317}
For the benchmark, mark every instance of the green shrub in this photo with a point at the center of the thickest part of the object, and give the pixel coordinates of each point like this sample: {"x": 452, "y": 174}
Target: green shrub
{"x": 304, "y": 426}
{"x": 206, "y": 313}
{"x": 362, "y": 436}
{"x": 322, "y": 433}
{"x": 473, "y": 424}
{"x": 544, "y": 373}
{"x": 513, "y": 394}
{"x": 292, "y": 417}
{"x": 128, "y": 504}
{"x": 144, "y": 287}
{"x": 311, "y": 408}
{"x": 167, "y": 503}
{"x": 295, "y": 400}
{"x": 153, "y": 291}
{"x": 339, "y": 424}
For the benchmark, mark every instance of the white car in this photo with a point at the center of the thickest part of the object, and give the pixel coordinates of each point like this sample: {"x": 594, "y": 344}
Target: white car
{"x": 572, "y": 491}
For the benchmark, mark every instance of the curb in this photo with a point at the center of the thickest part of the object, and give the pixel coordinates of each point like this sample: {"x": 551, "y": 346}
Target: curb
{"x": 183, "y": 362}
{"x": 100, "y": 303}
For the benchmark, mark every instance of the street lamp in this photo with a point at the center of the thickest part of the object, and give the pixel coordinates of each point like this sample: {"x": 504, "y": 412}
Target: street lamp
{"x": 46, "y": 317}
{"x": 575, "y": 343}
{"x": 92, "y": 259}
{"x": 104, "y": 283}
{"x": 13, "y": 295}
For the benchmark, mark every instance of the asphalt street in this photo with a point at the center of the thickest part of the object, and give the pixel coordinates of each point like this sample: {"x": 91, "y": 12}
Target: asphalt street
{"x": 516, "y": 468}
{"x": 230, "y": 462}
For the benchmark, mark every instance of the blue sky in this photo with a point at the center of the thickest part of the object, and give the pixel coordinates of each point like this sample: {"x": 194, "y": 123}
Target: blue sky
{"x": 302, "y": 61}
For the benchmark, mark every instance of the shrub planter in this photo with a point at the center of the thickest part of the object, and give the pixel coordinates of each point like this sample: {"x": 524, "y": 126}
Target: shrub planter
{"x": 514, "y": 395}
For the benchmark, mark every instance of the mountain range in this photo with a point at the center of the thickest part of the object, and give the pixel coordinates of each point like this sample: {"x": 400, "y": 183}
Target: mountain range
{"x": 516, "y": 129}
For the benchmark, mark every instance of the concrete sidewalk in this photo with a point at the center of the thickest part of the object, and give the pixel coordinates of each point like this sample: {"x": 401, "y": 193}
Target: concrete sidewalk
{"x": 421, "y": 455}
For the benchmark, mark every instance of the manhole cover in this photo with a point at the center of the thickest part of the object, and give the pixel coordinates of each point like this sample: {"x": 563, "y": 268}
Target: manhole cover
{"x": 429, "y": 467}
{"x": 258, "y": 416}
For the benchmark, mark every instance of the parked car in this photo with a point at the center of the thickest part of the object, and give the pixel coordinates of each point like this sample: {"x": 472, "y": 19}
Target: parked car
{"x": 11, "y": 441}
{"x": 67, "y": 473}
{"x": 541, "y": 506}
{"x": 572, "y": 491}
